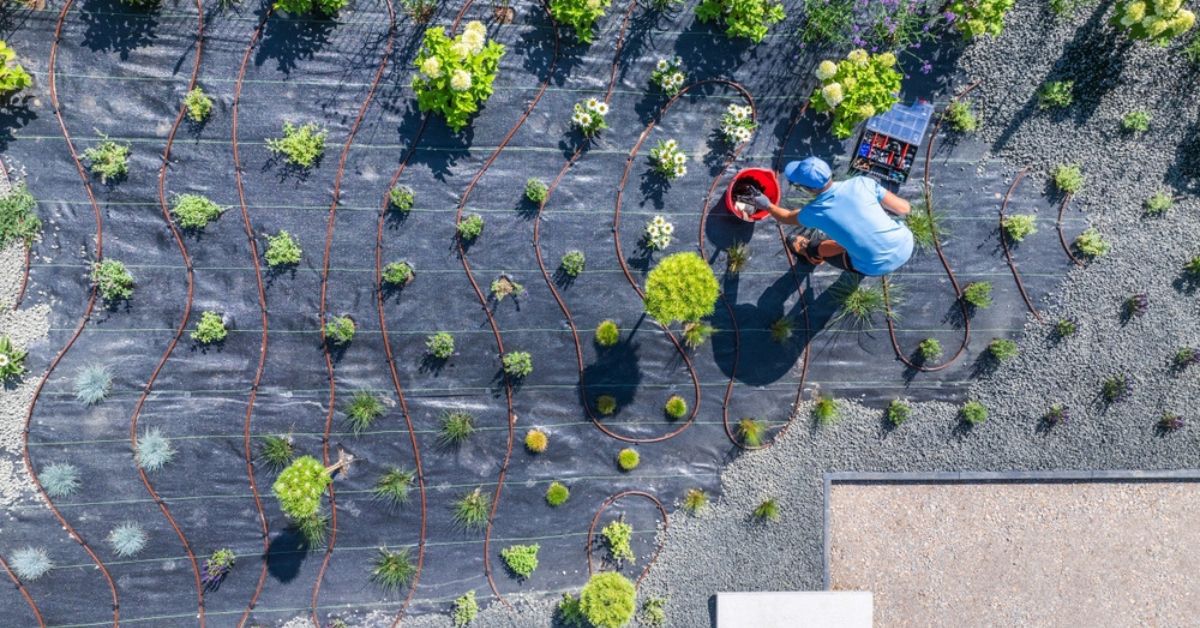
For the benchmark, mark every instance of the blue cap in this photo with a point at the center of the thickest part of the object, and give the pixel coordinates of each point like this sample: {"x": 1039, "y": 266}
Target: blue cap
{"x": 810, "y": 173}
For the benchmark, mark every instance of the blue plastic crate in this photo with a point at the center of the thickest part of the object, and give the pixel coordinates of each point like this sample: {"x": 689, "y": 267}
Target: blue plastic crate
{"x": 906, "y": 123}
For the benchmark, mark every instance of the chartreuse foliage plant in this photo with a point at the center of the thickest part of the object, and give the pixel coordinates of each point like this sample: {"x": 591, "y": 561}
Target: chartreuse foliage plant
{"x": 1159, "y": 203}
{"x": 18, "y": 220}
{"x": 973, "y": 412}
{"x": 60, "y": 479}
{"x": 767, "y": 511}
{"x": 210, "y": 329}
{"x": 277, "y": 451}
{"x": 13, "y": 77}
{"x": 580, "y": 15}
{"x": 682, "y": 287}
{"x": 299, "y": 487}
{"x": 617, "y": 536}
{"x": 742, "y": 18}
{"x": 1002, "y": 349}
{"x": 653, "y": 613}
{"x": 471, "y": 510}
{"x": 960, "y": 116}
{"x": 1158, "y": 21}
{"x": 198, "y": 104}
{"x": 608, "y": 600}
{"x": 751, "y": 432}
{"x": 978, "y": 294}
{"x": 974, "y": 18}
{"x": 393, "y": 569}
{"x": 676, "y": 407}
{"x": 856, "y": 88}
{"x": 12, "y": 359}
{"x": 1136, "y": 121}
{"x": 695, "y": 500}
{"x": 465, "y": 609}
{"x": 401, "y": 198}
{"x": 898, "y": 411}
{"x": 112, "y": 280}
{"x": 535, "y": 190}
{"x": 1068, "y": 178}
{"x": 1091, "y": 244}
{"x": 521, "y": 560}
{"x": 440, "y": 345}
{"x": 536, "y": 441}
{"x": 695, "y": 333}
{"x": 301, "y": 146}
{"x": 339, "y": 330}
{"x": 154, "y": 450}
{"x": 1056, "y": 94}
{"x": 364, "y": 408}
{"x": 572, "y": 263}
{"x": 557, "y": 494}
{"x": 30, "y": 563}
{"x": 518, "y": 363}
{"x": 127, "y": 539}
{"x": 108, "y": 160}
{"x": 470, "y": 227}
{"x": 393, "y": 486}
{"x": 455, "y": 74}
{"x": 282, "y": 250}
{"x": 1019, "y": 226}
{"x": 194, "y": 211}
{"x": 826, "y": 410}
{"x": 628, "y": 459}
{"x": 606, "y": 405}
{"x": 299, "y": 7}
{"x": 397, "y": 274}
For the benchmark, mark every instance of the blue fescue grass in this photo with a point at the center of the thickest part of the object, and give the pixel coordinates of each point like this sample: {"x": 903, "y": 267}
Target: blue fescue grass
{"x": 30, "y": 563}
{"x": 127, "y": 539}
{"x": 60, "y": 479}
{"x": 154, "y": 450}
{"x": 93, "y": 384}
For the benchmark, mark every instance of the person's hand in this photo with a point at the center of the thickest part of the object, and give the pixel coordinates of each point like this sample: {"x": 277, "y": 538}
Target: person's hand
{"x": 761, "y": 202}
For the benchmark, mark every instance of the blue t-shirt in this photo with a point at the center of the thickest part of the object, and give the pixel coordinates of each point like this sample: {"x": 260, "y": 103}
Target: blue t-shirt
{"x": 849, "y": 212}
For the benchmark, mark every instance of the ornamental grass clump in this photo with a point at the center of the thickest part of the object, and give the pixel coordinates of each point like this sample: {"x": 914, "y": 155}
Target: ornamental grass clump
{"x": 210, "y": 329}
{"x": 1017, "y": 227}
{"x": 668, "y": 160}
{"x": 1115, "y": 388}
{"x": 978, "y": 294}
{"x": 112, "y": 280}
{"x": 108, "y": 160}
{"x": 694, "y": 500}
{"x": 1068, "y": 178}
{"x": 926, "y": 226}
{"x": 617, "y": 536}
{"x": 300, "y": 146}
{"x": 975, "y": 18}
{"x": 1065, "y": 327}
{"x": 398, "y": 274}
{"x": 676, "y": 407}
{"x": 1159, "y": 203}
{"x": 470, "y": 227}
{"x": 1002, "y": 349}
{"x": 695, "y": 333}
{"x": 277, "y": 451}
{"x": 1137, "y": 121}
{"x": 401, "y": 198}
{"x": 393, "y": 486}
{"x": 521, "y": 560}
{"x": 1056, "y": 94}
{"x": 856, "y": 88}
{"x": 738, "y": 124}
{"x": 589, "y": 116}
{"x": 826, "y": 410}
{"x": 198, "y": 105}
{"x": 339, "y": 331}
{"x": 282, "y": 250}
{"x": 30, "y": 563}
{"x": 628, "y": 459}
{"x": 751, "y": 432}
{"x": 362, "y": 410}
{"x": 607, "y": 333}
{"x": 658, "y": 233}
{"x": 973, "y": 412}
{"x": 681, "y": 288}
{"x": 608, "y": 600}
{"x": 440, "y": 345}
{"x": 471, "y": 510}
{"x": 557, "y": 494}
{"x": 860, "y": 302}
{"x": 1157, "y": 21}
{"x": 930, "y": 350}
{"x": 960, "y": 116}
{"x": 60, "y": 479}
{"x": 749, "y": 19}
{"x": 898, "y": 411}
{"x": 154, "y": 451}
{"x": 195, "y": 211}
{"x": 517, "y": 363}
{"x": 536, "y": 441}
{"x": 127, "y": 539}
{"x": 536, "y": 190}
{"x": 767, "y": 510}
{"x": 781, "y": 330}
{"x": 393, "y": 569}
{"x": 12, "y": 360}
{"x": 456, "y": 427}
{"x": 18, "y": 216}
{"x": 13, "y": 77}
{"x": 668, "y": 76}
{"x": 455, "y": 75}
{"x": 580, "y": 15}
{"x": 736, "y": 257}
{"x": 572, "y": 263}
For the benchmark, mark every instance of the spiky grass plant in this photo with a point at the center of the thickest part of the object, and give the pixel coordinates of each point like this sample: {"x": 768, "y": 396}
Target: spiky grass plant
{"x": 1017, "y": 227}
{"x": 617, "y": 537}
{"x": 440, "y": 345}
{"x": 826, "y": 410}
{"x": 973, "y": 412}
{"x": 536, "y": 441}
{"x": 767, "y": 510}
{"x": 860, "y": 302}
{"x": 364, "y": 408}
{"x": 695, "y": 500}
{"x": 521, "y": 560}
{"x": 606, "y": 405}
{"x": 93, "y": 384}
{"x": 696, "y": 333}
{"x": 628, "y": 459}
{"x": 1065, "y": 327}
{"x": 127, "y": 539}
{"x": 471, "y": 510}
{"x": 393, "y": 486}
{"x": 736, "y": 257}
{"x": 1115, "y": 388}
{"x": 466, "y": 608}
{"x": 676, "y": 407}
{"x": 781, "y": 329}
{"x": 557, "y": 494}
{"x": 978, "y": 294}
{"x": 1056, "y": 414}
{"x": 1068, "y": 178}
{"x": 607, "y": 333}
{"x": 154, "y": 450}
{"x": 392, "y": 569}
{"x": 60, "y": 479}
{"x": 314, "y": 528}
{"x": 930, "y": 350}
{"x": 960, "y": 116}
{"x": 1159, "y": 203}
{"x": 751, "y": 432}
{"x": 30, "y": 563}
{"x": 926, "y": 226}
{"x": 517, "y": 363}
{"x": 1002, "y": 349}
{"x": 276, "y": 451}
{"x": 898, "y": 411}
{"x": 456, "y": 427}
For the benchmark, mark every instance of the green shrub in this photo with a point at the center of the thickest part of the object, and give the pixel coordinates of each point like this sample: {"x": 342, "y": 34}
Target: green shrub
{"x": 781, "y": 329}
{"x": 1158, "y": 21}
{"x": 1091, "y": 244}
{"x": 112, "y": 280}
{"x": 1159, "y": 203}
{"x": 18, "y": 218}
{"x": 751, "y": 432}
{"x": 282, "y": 250}
{"x": 299, "y": 487}
{"x": 580, "y": 15}
{"x": 653, "y": 613}
{"x": 557, "y": 494}
{"x": 608, "y": 600}
{"x": 859, "y": 302}
{"x": 925, "y": 225}
{"x": 195, "y": 211}
{"x": 210, "y": 329}
{"x": 198, "y": 104}
{"x": 607, "y": 333}
{"x": 470, "y": 227}
{"x": 572, "y": 263}
{"x": 12, "y": 359}
{"x": 421, "y": 11}
{"x": 856, "y": 88}
{"x": 518, "y": 363}
{"x": 1068, "y": 178}
{"x": 1056, "y": 94}
{"x": 393, "y": 570}
{"x": 606, "y": 405}
{"x": 695, "y": 333}
{"x": 397, "y": 274}
{"x": 742, "y": 18}
{"x": 960, "y": 116}
{"x": 109, "y": 160}
{"x": 456, "y": 427}
{"x": 301, "y": 146}
{"x": 465, "y": 609}
{"x": 472, "y": 510}
{"x": 767, "y": 511}
{"x": 401, "y": 198}
{"x": 681, "y": 287}
{"x": 393, "y": 486}
{"x": 973, "y": 412}
{"x": 978, "y": 294}
{"x": 536, "y": 441}
{"x": 628, "y": 459}
{"x": 826, "y": 410}
{"x": 339, "y": 330}
{"x": 1064, "y": 327}
{"x": 695, "y": 500}
{"x": 440, "y": 345}
{"x": 13, "y": 77}
{"x": 299, "y": 7}
{"x": 676, "y": 407}
{"x": 1192, "y": 268}
{"x": 898, "y": 412}
{"x": 504, "y": 286}
{"x": 1019, "y": 226}
{"x": 521, "y": 560}
{"x": 1191, "y": 52}
{"x": 930, "y": 350}
{"x": 975, "y": 18}
{"x": 536, "y": 190}
{"x": 617, "y": 536}
{"x": 364, "y": 408}
{"x": 1137, "y": 121}
{"x": 1002, "y": 349}
{"x": 455, "y": 75}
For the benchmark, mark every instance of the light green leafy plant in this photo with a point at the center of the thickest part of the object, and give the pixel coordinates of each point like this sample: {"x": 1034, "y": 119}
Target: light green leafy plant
{"x": 13, "y": 77}
{"x": 682, "y": 287}
{"x": 572, "y": 263}
{"x": 898, "y": 412}
{"x": 1137, "y": 121}
{"x": 535, "y": 190}
{"x": 470, "y": 227}
{"x": 339, "y": 330}
{"x": 18, "y": 218}
{"x": 1159, "y": 203}
{"x": 580, "y": 15}
{"x": 978, "y": 294}
{"x": 401, "y": 198}
{"x": 282, "y": 250}
{"x": 210, "y": 329}
{"x": 1068, "y": 178}
{"x": 974, "y": 18}
{"x": 465, "y": 609}
{"x": 112, "y": 280}
{"x": 1002, "y": 349}
{"x": 1091, "y": 244}
{"x": 930, "y": 350}
{"x": 518, "y": 363}
{"x": 455, "y": 75}
{"x": 397, "y": 274}
{"x": 109, "y": 160}
{"x": 617, "y": 536}
{"x": 856, "y": 88}
{"x": 440, "y": 345}
{"x": 973, "y": 412}
{"x": 300, "y": 7}
{"x": 198, "y": 104}
{"x": 608, "y": 600}
{"x": 557, "y": 494}
{"x": 1158, "y": 21}
{"x": 195, "y": 211}
{"x": 742, "y": 18}
{"x": 1019, "y": 226}
{"x": 1056, "y": 94}
{"x": 521, "y": 560}
{"x": 301, "y": 146}
{"x": 961, "y": 117}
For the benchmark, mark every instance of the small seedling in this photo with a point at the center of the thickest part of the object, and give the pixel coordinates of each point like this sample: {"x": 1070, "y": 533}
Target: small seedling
{"x": 393, "y": 486}
{"x": 1137, "y": 121}
{"x": 1056, "y": 415}
{"x": 339, "y": 331}
{"x": 470, "y": 227}
{"x": 572, "y": 263}
{"x": 364, "y": 408}
{"x": 472, "y": 509}
{"x": 397, "y": 274}
{"x": 617, "y": 536}
{"x": 60, "y": 479}
{"x": 1091, "y": 244}
{"x": 1159, "y": 203}
{"x": 1170, "y": 422}
{"x": 606, "y": 405}
{"x": 1185, "y": 357}
{"x": 898, "y": 412}
{"x": 109, "y": 160}
{"x": 676, "y": 407}
{"x": 127, "y": 539}
{"x": 12, "y": 359}
{"x": 301, "y": 146}
{"x": 277, "y": 451}
{"x": 1115, "y": 388}
{"x": 536, "y": 441}
{"x": 521, "y": 560}
{"x": 973, "y": 412}
{"x": 536, "y": 191}
{"x": 154, "y": 450}
{"x": 930, "y": 350}
{"x": 736, "y": 257}
{"x": 195, "y": 211}
{"x": 1002, "y": 349}
{"x": 978, "y": 294}
{"x": 1055, "y": 94}
{"x": 826, "y": 410}
{"x": 767, "y": 511}
{"x": 465, "y": 606}
{"x": 1065, "y": 327}
{"x": 217, "y": 566}
{"x": 282, "y": 250}
{"x": 401, "y": 198}
{"x": 112, "y": 280}
{"x": 925, "y": 225}
{"x": 751, "y": 432}
{"x": 456, "y": 427}
{"x": 503, "y": 286}
{"x": 93, "y": 384}
{"x": 557, "y": 494}
{"x": 30, "y": 563}
{"x": 860, "y": 302}
{"x": 1191, "y": 269}
{"x": 653, "y": 613}
{"x": 696, "y": 333}
{"x": 1135, "y": 306}
{"x": 210, "y": 329}
{"x": 695, "y": 500}
{"x": 392, "y": 570}
{"x": 960, "y": 116}
{"x": 607, "y": 333}
{"x": 517, "y": 363}
{"x": 1019, "y": 226}
{"x": 440, "y": 345}
{"x": 628, "y": 459}
{"x": 1068, "y": 178}
{"x": 781, "y": 330}
{"x": 198, "y": 104}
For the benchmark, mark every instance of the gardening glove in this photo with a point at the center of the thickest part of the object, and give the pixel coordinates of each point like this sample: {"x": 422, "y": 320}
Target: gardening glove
{"x": 761, "y": 202}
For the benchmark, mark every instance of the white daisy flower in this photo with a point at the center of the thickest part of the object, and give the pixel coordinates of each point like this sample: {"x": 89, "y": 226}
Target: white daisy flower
{"x": 680, "y": 171}
{"x": 662, "y": 65}
{"x": 602, "y": 108}
{"x": 680, "y": 159}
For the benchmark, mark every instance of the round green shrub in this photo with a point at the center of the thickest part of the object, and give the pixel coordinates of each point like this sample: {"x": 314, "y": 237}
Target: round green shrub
{"x": 681, "y": 288}
{"x": 628, "y": 459}
{"x": 557, "y": 494}
{"x": 676, "y": 407}
{"x": 606, "y": 404}
{"x": 608, "y": 600}
{"x": 607, "y": 333}
{"x": 299, "y": 487}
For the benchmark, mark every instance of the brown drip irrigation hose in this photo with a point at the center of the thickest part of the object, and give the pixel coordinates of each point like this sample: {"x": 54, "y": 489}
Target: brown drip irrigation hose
{"x": 1008, "y": 251}
{"x": 612, "y": 499}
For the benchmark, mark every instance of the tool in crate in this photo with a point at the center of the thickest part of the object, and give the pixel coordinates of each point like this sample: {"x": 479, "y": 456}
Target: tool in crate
{"x": 888, "y": 146}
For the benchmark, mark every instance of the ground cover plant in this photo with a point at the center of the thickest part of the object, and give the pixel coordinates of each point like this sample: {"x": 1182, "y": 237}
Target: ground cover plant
{"x": 580, "y": 15}
{"x": 856, "y": 88}
{"x": 112, "y": 280}
{"x": 1137, "y": 121}
{"x": 401, "y": 198}
{"x": 300, "y": 146}
{"x": 465, "y": 609}
{"x": 18, "y": 217}
{"x": 518, "y": 363}
{"x": 960, "y": 117}
{"x": 455, "y": 75}
{"x": 617, "y": 536}
{"x": 440, "y": 345}
{"x": 1065, "y": 327}
{"x": 557, "y": 494}
{"x": 109, "y": 161}
{"x": 607, "y": 333}
{"x": 195, "y": 211}
{"x": 13, "y": 77}
{"x": 781, "y": 329}
{"x": 572, "y": 263}
{"x": 676, "y": 407}
{"x": 930, "y": 350}
{"x": 826, "y": 410}
{"x": 1056, "y": 94}
{"x": 339, "y": 330}
{"x": 973, "y": 412}
{"x": 198, "y": 104}
{"x": 1002, "y": 349}
{"x": 742, "y": 18}
{"x": 1159, "y": 203}
{"x": 210, "y": 329}
{"x": 681, "y": 288}
{"x": 282, "y": 250}
{"x": 521, "y": 560}
{"x": 397, "y": 274}
{"x": 898, "y": 412}
{"x": 470, "y": 227}
{"x": 12, "y": 359}
{"x": 1091, "y": 244}
{"x": 978, "y": 294}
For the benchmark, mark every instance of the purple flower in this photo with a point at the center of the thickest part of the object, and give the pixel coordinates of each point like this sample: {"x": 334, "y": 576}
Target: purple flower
{"x": 926, "y": 67}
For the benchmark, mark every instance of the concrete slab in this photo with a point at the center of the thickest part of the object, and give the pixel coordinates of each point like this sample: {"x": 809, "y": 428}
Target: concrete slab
{"x": 788, "y": 609}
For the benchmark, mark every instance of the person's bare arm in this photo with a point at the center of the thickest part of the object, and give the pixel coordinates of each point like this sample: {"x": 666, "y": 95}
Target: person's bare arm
{"x": 786, "y": 216}
{"x": 895, "y": 204}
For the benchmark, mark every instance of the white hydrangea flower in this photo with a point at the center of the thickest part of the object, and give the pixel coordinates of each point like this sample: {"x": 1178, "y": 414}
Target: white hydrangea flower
{"x": 460, "y": 81}
{"x": 475, "y": 26}
{"x": 832, "y": 93}
{"x": 460, "y": 49}
{"x": 858, "y": 55}
{"x": 475, "y": 40}
{"x": 432, "y": 67}
{"x": 826, "y": 69}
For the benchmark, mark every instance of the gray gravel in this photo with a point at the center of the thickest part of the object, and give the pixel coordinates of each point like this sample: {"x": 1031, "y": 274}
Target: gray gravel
{"x": 723, "y": 550}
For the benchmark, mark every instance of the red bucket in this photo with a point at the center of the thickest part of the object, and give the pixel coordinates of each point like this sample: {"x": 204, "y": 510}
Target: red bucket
{"x": 765, "y": 179}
